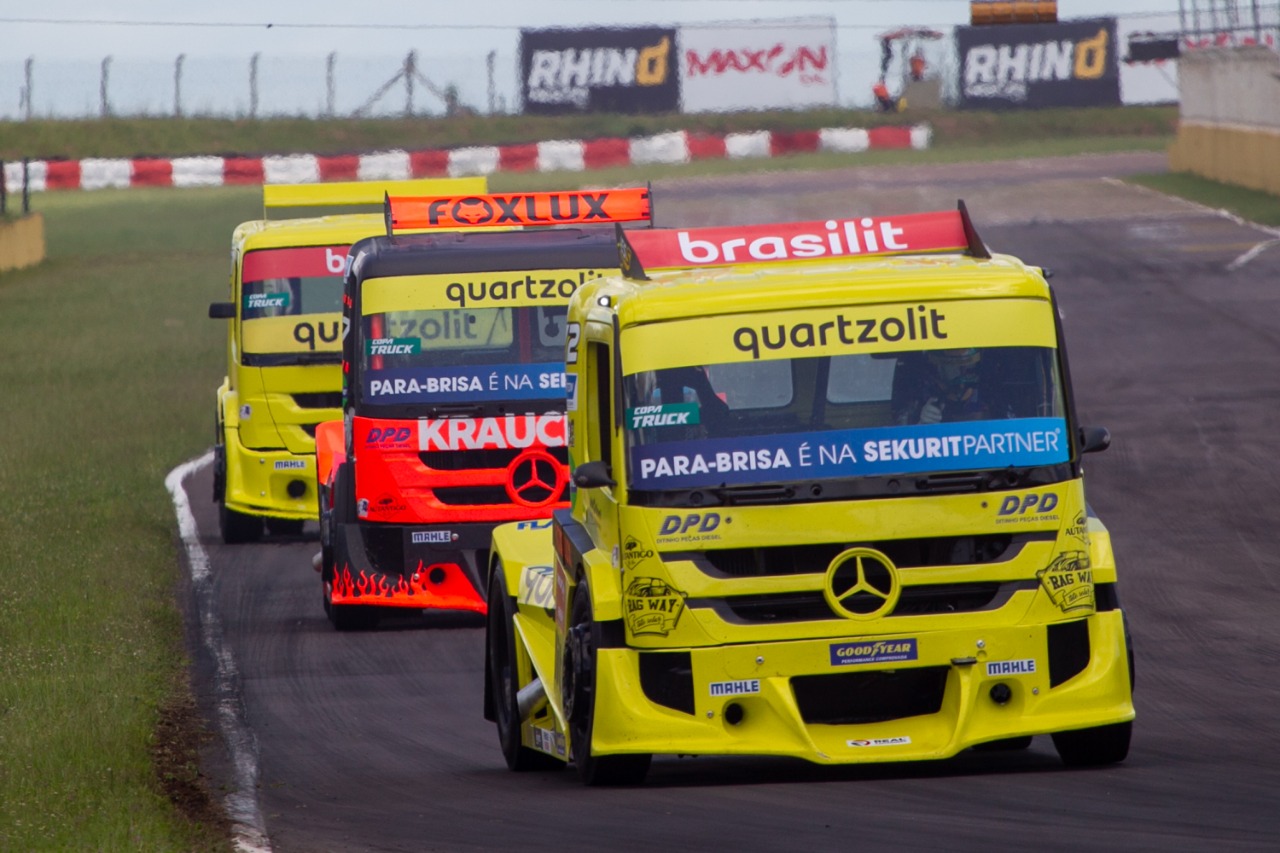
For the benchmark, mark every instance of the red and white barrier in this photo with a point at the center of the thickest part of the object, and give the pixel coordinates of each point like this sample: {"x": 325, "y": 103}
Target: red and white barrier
{"x": 567, "y": 155}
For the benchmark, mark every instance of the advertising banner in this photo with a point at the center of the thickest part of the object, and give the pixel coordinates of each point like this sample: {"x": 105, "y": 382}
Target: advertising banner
{"x": 1028, "y": 66}
{"x": 764, "y": 65}
{"x": 614, "y": 70}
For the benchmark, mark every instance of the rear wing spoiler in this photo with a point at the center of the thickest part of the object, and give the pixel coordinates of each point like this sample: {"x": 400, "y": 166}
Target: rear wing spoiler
{"x": 516, "y": 210}
{"x": 942, "y": 232}
{"x": 341, "y": 194}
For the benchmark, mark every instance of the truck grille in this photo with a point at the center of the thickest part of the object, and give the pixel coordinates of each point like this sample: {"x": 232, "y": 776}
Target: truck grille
{"x": 812, "y": 559}
{"x": 471, "y": 460}
{"x": 319, "y": 400}
{"x": 855, "y": 698}
{"x": 812, "y": 606}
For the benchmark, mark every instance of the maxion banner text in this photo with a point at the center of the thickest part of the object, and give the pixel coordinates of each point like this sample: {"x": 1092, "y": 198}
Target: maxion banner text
{"x": 789, "y": 241}
{"x": 766, "y": 65}
{"x": 616, "y": 70}
{"x": 1072, "y": 64}
{"x": 512, "y": 209}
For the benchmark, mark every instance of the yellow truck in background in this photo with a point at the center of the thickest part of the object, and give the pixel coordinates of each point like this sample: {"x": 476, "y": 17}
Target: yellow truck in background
{"x": 284, "y": 346}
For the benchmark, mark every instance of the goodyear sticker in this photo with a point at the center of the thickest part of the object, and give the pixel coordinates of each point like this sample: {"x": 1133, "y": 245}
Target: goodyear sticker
{"x": 1069, "y": 581}
{"x": 653, "y": 606}
{"x": 873, "y": 651}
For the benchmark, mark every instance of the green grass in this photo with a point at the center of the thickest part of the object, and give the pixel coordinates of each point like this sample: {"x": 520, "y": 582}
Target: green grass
{"x": 109, "y": 371}
{"x": 1253, "y": 205}
{"x": 171, "y": 137}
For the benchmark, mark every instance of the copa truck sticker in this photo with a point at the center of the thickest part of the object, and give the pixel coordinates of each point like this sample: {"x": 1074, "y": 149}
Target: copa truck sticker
{"x": 1018, "y": 442}
{"x": 544, "y": 381}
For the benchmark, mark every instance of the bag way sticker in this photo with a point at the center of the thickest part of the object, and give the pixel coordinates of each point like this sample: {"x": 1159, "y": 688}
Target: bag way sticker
{"x": 1018, "y": 442}
{"x": 872, "y": 651}
{"x": 1069, "y": 581}
{"x": 490, "y": 433}
{"x": 465, "y": 384}
{"x": 841, "y": 330}
{"x": 652, "y": 606}
{"x": 301, "y": 262}
{"x": 510, "y": 209}
{"x": 786, "y": 241}
{"x": 669, "y": 414}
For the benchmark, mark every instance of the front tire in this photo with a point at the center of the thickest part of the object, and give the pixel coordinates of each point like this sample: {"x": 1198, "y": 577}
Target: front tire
{"x": 579, "y": 688}
{"x": 285, "y": 526}
{"x": 236, "y": 527}
{"x": 502, "y": 670}
{"x": 1094, "y": 747}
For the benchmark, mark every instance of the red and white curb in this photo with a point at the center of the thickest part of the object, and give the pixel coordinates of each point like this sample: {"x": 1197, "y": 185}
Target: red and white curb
{"x": 561, "y": 155}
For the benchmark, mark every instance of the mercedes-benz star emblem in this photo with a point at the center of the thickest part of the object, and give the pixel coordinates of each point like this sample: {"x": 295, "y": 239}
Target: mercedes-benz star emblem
{"x": 862, "y": 584}
{"x": 535, "y": 479}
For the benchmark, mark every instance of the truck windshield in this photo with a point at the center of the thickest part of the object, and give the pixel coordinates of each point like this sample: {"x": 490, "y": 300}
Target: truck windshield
{"x": 291, "y": 305}
{"x": 463, "y": 355}
{"x": 789, "y": 420}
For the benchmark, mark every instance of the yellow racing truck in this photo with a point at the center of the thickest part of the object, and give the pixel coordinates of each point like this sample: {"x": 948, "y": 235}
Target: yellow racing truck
{"x": 284, "y": 346}
{"x": 828, "y": 503}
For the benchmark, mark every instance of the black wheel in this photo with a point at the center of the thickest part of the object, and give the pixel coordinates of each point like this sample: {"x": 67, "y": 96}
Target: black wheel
{"x": 579, "y": 699}
{"x": 502, "y": 671}
{"x": 285, "y": 526}
{"x": 1094, "y": 747}
{"x": 237, "y": 527}
{"x": 1008, "y": 744}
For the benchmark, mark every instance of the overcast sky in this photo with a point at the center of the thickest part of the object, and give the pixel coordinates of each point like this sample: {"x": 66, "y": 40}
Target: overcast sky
{"x": 90, "y": 29}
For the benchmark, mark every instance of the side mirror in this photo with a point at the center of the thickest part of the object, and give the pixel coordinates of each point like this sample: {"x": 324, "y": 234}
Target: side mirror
{"x": 222, "y": 310}
{"x": 1094, "y": 439}
{"x": 592, "y": 475}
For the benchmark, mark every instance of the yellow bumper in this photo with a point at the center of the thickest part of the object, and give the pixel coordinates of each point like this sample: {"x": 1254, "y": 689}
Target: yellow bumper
{"x": 789, "y": 694}
{"x": 258, "y": 481}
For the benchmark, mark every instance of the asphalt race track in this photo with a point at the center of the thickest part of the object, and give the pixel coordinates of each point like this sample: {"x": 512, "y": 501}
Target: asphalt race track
{"x": 375, "y": 741}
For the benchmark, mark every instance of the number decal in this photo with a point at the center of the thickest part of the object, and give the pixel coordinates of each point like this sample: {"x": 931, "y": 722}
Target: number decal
{"x": 571, "y": 344}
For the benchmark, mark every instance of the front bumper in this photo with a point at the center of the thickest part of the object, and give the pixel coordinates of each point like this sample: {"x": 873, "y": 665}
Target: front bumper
{"x": 409, "y": 566}
{"x": 810, "y": 699}
{"x": 259, "y": 482}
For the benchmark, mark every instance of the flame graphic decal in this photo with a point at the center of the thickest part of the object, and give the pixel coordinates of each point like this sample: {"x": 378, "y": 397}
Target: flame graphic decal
{"x": 439, "y": 586}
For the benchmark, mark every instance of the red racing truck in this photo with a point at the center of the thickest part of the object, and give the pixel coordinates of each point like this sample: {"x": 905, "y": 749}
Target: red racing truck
{"x": 453, "y": 391}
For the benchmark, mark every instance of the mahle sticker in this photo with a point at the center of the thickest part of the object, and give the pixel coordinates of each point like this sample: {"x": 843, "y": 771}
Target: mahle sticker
{"x": 394, "y": 346}
{"x": 668, "y": 414}
{"x": 263, "y": 301}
